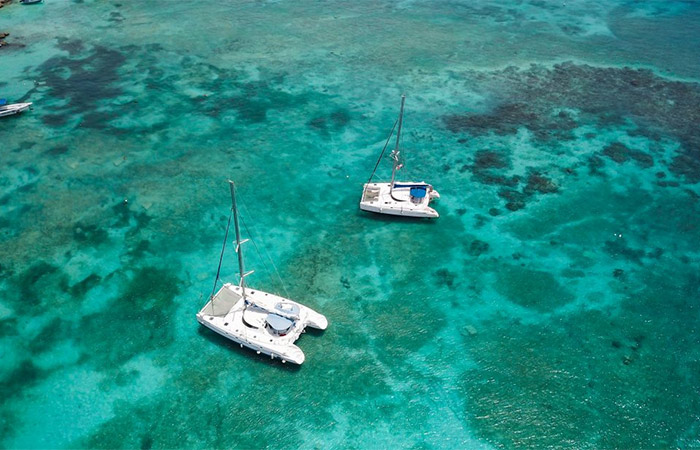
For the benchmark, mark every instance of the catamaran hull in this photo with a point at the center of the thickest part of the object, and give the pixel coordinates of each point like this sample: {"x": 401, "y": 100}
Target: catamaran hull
{"x": 296, "y": 357}
{"x": 379, "y": 198}
{"x": 227, "y": 315}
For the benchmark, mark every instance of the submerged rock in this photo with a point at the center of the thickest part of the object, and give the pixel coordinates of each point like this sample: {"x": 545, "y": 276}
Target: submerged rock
{"x": 620, "y": 153}
{"x": 478, "y": 247}
{"x": 539, "y": 183}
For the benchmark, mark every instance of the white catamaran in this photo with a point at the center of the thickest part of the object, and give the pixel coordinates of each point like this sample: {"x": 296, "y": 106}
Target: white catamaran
{"x": 264, "y": 322}
{"x": 399, "y": 198}
{"x": 14, "y": 108}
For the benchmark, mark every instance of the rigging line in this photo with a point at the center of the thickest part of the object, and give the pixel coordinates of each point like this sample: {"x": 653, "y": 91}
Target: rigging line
{"x": 383, "y": 150}
{"x": 267, "y": 254}
{"x": 257, "y": 250}
{"x": 281, "y": 282}
{"x": 221, "y": 258}
{"x": 408, "y": 172}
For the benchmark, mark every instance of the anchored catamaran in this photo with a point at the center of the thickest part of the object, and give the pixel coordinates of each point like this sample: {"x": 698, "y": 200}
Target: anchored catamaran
{"x": 264, "y": 322}
{"x": 399, "y": 198}
{"x": 14, "y": 108}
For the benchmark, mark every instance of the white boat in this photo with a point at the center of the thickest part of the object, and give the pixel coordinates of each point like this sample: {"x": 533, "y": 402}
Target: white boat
{"x": 14, "y": 108}
{"x": 399, "y": 198}
{"x": 264, "y": 322}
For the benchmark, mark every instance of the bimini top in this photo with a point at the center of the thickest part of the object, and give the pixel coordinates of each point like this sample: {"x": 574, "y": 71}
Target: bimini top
{"x": 418, "y": 191}
{"x": 278, "y": 323}
{"x": 410, "y": 185}
{"x": 287, "y": 309}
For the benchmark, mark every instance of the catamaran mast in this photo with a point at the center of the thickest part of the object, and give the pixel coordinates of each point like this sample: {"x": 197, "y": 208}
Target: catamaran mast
{"x": 395, "y": 153}
{"x": 241, "y": 268}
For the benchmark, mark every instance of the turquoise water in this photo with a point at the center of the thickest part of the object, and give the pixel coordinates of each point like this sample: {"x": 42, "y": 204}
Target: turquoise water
{"x": 553, "y": 304}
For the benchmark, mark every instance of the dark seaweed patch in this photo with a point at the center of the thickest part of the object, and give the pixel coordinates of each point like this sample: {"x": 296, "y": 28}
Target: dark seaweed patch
{"x": 489, "y": 159}
{"x": 55, "y": 120}
{"x": 594, "y": 164}
{"x": 505, "y": 119}
{"x": 340, "y": 118}
{"x": 250, "y": 100}
{"x": 537, "y": 182}
{"x": 125, "y": 214}
{"x": 333, "y": 122}
{"x": 486, "y": 162}
{"x": 477, "y": 247}
{"x": 115, "y": 17}
{"x": 603, "y": 97}
{"x": 485, "y": 169}
{"x": 81, "y": 82}
{"x": 140, "y": 249}
{"x": 146, "y": 443}
{"x": 257, "y": 99}
{"x": 139, "y": 318}
{"x": 515, "y": 200}
{"x": 19, "y": 379}
{"x": 617, "y": 152}
{"x": 8, "y": 327}
{"x": 687, "y": 165}
{"x": 72, "y": 46}
{"x": 58, "y": 150}
{"x": 30, "y": 277}
{"x": 508, "y": 118}
{"x": 32, "y": 285}
{"x": 89, "y": 234}
{"x": 531, "y": 288}
{"x": 80, "y": 288}
{"x": 445, "y": 277}
{"x": 618, "y": 248}
{"x": 53, "y": 332}
{"x": 318, "y": 123}
{"x": 620, "y": 153}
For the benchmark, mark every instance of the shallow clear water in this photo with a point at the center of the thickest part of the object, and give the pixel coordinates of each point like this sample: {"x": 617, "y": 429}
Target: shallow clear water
{"x": 553, "y": 304}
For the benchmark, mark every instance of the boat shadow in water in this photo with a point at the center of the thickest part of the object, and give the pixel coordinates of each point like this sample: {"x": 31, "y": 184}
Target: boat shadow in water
{"x": 314, "y": 331}
{"x": 222, "y": 342}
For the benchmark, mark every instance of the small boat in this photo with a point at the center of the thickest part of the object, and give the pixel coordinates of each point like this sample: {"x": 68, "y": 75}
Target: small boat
{"x": 13, "y": 108}
{"x": 264, "y": 322}
{"x": 398, "y": 198}
{"x": 30, "y": 2}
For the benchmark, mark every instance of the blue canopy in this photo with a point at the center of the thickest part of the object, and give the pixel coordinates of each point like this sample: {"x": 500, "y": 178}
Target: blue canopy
{"x": 278, "y": 323}
{"x": 418, "y": 191}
